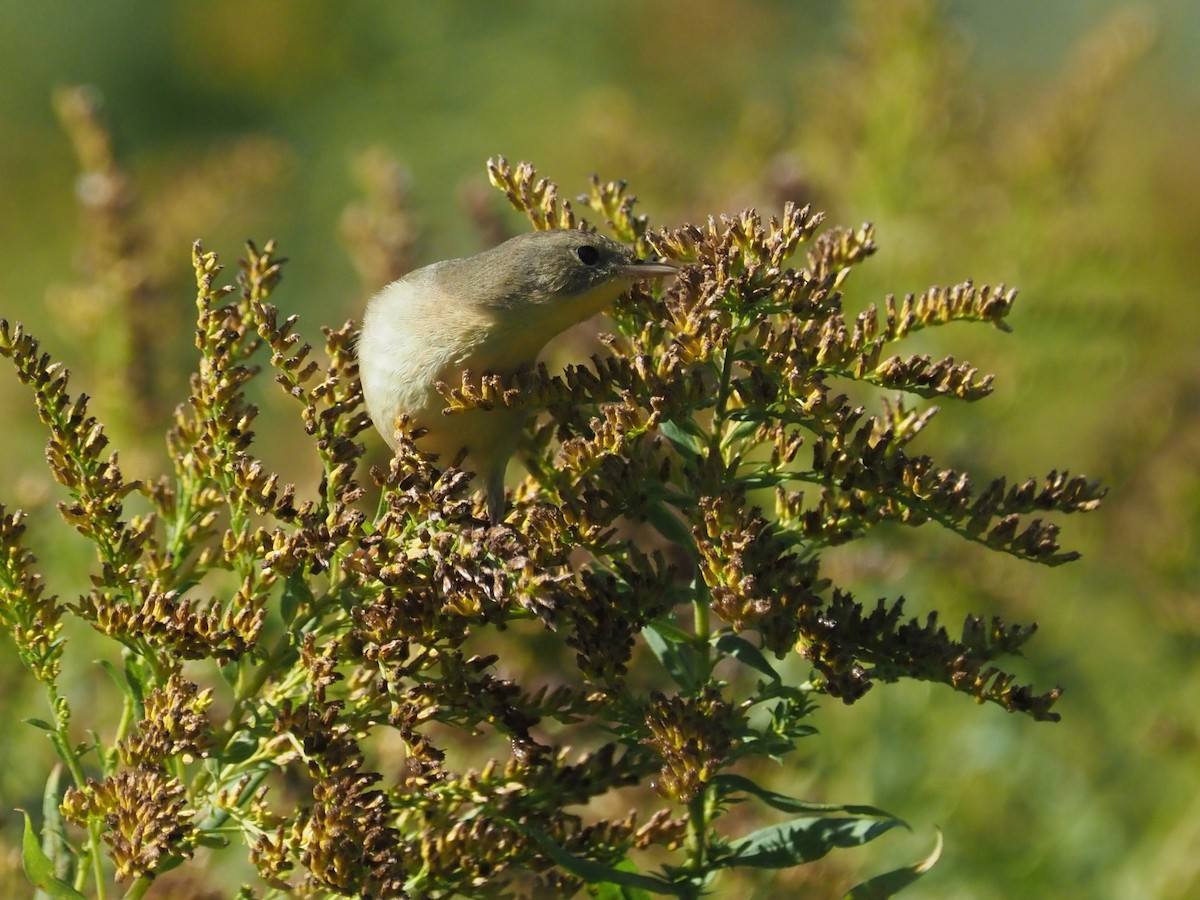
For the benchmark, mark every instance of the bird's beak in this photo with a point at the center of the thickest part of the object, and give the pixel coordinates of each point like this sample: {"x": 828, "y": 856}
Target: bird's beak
{"x": 643, "y": 268}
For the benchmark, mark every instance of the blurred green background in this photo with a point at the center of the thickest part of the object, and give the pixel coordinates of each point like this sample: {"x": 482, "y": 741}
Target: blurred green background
{"x": 1052, "y": 147}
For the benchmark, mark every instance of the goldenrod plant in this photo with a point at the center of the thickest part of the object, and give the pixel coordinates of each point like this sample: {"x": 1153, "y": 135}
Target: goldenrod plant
{"x": 335, "y": 682}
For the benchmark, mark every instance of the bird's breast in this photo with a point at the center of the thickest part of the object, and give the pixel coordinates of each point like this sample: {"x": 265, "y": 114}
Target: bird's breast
{"x": 414, "y": 337}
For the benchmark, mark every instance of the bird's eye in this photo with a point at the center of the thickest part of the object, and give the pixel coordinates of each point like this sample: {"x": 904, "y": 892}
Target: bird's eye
{"x": 588, "y": 255}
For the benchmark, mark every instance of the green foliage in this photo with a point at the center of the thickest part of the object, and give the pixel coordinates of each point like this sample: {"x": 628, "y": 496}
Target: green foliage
{"x": 313, "y": 630}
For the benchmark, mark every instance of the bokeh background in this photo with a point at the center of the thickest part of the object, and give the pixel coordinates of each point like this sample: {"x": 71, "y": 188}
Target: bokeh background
{"x": 1049, "y": 146}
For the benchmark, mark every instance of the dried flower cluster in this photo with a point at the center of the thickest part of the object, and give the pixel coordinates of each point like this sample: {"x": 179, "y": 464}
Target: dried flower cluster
{"x": 146, "y": 819}
{"x": 333, "y": 627}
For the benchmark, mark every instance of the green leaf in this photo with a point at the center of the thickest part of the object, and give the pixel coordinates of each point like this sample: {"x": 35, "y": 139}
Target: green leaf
{"x": 664, "y": 642}
{"x": 39, "y": 869}
{"x": 746, "y": 653}
{"x": 671, "y": 632}
{"x": 740, "y": 432}
{"x": 230, "y": 671}
{"x": 240, "y": 749}
{"x": 688, "y": 443}
{"x": 607, "y": 890}
{"x": 669, "y": 526}
{"x": 728, "y": 784}
{"x": 39, "y": 723}
{"x": 765, "y": 479}
{"x": 54, "y": 830}
{"x": 171, "y": 862}
{"x": 803, "y": 840}
{"x": 891, "y": 883}
{"x": 212, "y": 841}
{"x": 594, "y": 872}
{"x": 296, "y": 591}
{"x": 137, "y": 676}
{"x": 119, "y": 679}
{"x": 747, "y": 414}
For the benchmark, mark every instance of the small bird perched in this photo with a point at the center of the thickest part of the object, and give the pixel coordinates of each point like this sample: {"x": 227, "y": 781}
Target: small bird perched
{"x": 490, "y": 313}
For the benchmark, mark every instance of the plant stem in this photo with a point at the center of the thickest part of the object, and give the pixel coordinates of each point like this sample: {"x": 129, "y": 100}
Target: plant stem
{"x": 697, "y": 841}
{"x": 138, "y": 888}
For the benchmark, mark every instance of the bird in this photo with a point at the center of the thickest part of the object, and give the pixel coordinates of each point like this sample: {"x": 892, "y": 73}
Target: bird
{"x": 489, "y": 313}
